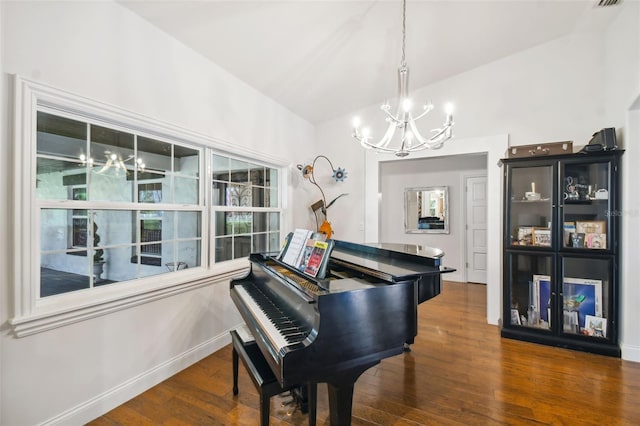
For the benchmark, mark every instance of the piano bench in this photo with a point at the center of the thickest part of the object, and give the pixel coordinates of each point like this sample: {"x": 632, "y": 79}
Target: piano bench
{"x": 264, "y": 379}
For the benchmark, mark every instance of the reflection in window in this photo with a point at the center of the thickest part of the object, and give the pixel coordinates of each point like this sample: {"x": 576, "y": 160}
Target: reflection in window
{"x": 245, "y": 199}
{"x": 80, "y": 166}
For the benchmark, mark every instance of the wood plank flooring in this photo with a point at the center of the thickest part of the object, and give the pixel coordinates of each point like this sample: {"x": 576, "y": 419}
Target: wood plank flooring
{"x": 460, "y": 372}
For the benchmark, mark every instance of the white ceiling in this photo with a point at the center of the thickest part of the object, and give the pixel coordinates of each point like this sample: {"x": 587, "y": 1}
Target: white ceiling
{"x": 323, "y": 59}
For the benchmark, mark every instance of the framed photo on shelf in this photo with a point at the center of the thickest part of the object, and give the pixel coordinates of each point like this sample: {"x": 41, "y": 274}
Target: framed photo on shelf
{"x": 541, "y": 237}
{"x": 515, "y": 317}
{"x": 525, "y": 236}
{"x": 595, "y": 326}
{"x": 582, "y": 296}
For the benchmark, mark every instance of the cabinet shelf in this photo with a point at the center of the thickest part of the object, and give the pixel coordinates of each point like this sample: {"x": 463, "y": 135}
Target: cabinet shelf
{"x": 564, "y": 291}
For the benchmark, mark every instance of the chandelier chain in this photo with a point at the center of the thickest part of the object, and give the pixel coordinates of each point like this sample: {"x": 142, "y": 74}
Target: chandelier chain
{"x": 404, "y": 31}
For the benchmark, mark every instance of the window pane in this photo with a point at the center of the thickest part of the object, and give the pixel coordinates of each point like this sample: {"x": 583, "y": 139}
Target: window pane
{"x": 272, "y": 197}
{"x": 220, "y": 168}
{"x": 239, "y": 171}
{"x": 239, "y": 195}
{"x": 61, "y": 137}
{"x": 274, "y": 241}
{"x": 257, "y": 175}
{"x": 114, "y": 227}
{"x": 117, "y": 266}
{"x": 220, "y": 225}
{"x": 223, "y": 250}
{"x": 272, "y": 178}
{"x": 150, "y": 192}
{"x": 189, "y": 253}
{"x": 274, "y": 221}
{"x": 241, "y": 246}
{"x": 113, "y": 164}
{"x": 154, "y": 154}
{"x": 259, "y": 222}
{"x": 188, "y": 224}
{"x": 187, "y": 161}
{"x": 55, "y": 229}
{"x": 62, "y": 273}
{"x": 154, "y": 265}
{"x": 259, "y": 243}
{"x": 168, "y": 221}
{"x": 257, "y": 196}
{"x": 238, "y": 223}
{"x": 55, "y": 177}
{"x": 185, "y": 190}
{"x": 219, "y": 193}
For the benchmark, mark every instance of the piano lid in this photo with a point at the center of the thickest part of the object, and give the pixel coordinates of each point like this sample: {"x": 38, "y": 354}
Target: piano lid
{"x": 414, "y": 249}
{"x": 394, "y": 261}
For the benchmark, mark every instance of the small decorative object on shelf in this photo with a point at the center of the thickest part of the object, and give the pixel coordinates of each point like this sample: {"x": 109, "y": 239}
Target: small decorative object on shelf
{"x": 561, "y": 253}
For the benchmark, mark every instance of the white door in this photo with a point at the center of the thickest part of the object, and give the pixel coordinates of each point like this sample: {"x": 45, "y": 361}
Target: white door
{"x": 476, "y": 264}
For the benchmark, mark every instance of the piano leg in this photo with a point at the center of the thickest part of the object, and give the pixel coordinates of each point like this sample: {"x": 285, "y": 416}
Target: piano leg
{"x": 340, "y": 391}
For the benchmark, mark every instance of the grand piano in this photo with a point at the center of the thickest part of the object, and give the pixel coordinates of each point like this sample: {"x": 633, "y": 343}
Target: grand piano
{"x": 360, "y": 309}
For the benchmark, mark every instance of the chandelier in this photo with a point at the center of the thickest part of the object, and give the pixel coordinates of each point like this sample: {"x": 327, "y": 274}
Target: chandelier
{"x": 411, "y": 139}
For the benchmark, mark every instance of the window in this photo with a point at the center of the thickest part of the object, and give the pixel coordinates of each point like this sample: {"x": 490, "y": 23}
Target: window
{"x": 112, "y": 162}
{"x": 113, "y": 209}
{"x": 245, "y": 208}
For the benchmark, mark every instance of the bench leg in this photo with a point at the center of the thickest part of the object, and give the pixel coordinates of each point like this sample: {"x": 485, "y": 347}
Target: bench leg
{"x": 234, "y": 356}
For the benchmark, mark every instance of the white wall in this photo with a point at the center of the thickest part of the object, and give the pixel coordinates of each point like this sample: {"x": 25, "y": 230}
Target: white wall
{"x": 395, "y": 176}
{"x": 104, "y": 52}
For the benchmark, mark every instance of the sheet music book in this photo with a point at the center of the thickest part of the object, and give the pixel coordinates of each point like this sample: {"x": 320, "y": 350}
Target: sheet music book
{"x": 295, "y": 248}
{"x": 308, "y": 252}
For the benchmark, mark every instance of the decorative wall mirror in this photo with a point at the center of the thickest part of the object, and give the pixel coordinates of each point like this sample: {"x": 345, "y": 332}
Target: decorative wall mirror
{"x": 426, "y": 210}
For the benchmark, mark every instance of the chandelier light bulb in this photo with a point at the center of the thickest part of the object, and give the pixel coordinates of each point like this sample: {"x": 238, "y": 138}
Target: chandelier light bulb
{"x": 113, "y": 156}
{"x": 406, "y": 105}
{"x": 356, "y": 122}
{"x": 83, "y": 157}
{"x": 366, "y": 132}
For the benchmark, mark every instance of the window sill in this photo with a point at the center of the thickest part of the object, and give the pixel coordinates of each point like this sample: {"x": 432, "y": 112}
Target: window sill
{"x": 52, "y": 312}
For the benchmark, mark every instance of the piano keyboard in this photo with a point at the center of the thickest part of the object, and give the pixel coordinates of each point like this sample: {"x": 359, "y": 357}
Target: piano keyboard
{"x": 281, "y": 330}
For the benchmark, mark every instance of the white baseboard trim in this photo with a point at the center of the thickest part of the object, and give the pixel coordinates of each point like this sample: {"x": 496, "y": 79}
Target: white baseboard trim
{"x": 630, "y": 353}
{"x": 107, "y": 401}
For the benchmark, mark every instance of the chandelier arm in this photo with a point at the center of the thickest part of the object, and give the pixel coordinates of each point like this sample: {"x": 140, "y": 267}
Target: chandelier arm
{"x": 427, "y": 110}
{"x": 388, "y": 135}
{"x": 393, "y": 118}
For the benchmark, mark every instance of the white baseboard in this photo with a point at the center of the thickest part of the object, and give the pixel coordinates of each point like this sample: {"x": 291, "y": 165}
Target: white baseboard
{"x": 630, "y": 353}
{"x": 107, "y": 401}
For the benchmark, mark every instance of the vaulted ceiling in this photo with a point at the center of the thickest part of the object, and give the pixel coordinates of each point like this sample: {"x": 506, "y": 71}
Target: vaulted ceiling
{"x": 322, "y": 59}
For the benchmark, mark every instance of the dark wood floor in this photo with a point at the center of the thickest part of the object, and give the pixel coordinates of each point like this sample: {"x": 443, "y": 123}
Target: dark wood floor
{"x": 460, "y": 372}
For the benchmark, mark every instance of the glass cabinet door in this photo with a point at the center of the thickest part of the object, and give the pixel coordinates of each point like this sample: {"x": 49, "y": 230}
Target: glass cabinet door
{"x": 586, "y": 210}
{"x": 586, "y": 297}
{"x": 530, "y": 290}
{"x": 530, "y": 206}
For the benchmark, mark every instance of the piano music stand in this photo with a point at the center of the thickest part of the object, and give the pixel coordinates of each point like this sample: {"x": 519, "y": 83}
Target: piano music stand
{"x": 264, "y": 379}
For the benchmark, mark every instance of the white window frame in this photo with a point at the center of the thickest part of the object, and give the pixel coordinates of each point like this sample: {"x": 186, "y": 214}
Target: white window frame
{"x": 32, "y": 314}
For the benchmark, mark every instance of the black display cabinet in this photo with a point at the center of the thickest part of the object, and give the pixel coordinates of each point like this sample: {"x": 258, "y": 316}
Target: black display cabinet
{"x": 561, "y": 251}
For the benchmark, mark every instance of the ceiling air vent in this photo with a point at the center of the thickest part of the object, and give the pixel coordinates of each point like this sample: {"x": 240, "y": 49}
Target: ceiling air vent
{"x": 605, "y": 3}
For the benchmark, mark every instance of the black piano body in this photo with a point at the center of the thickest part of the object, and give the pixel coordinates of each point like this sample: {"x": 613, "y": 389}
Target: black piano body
{"x": 331, "y": 330}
